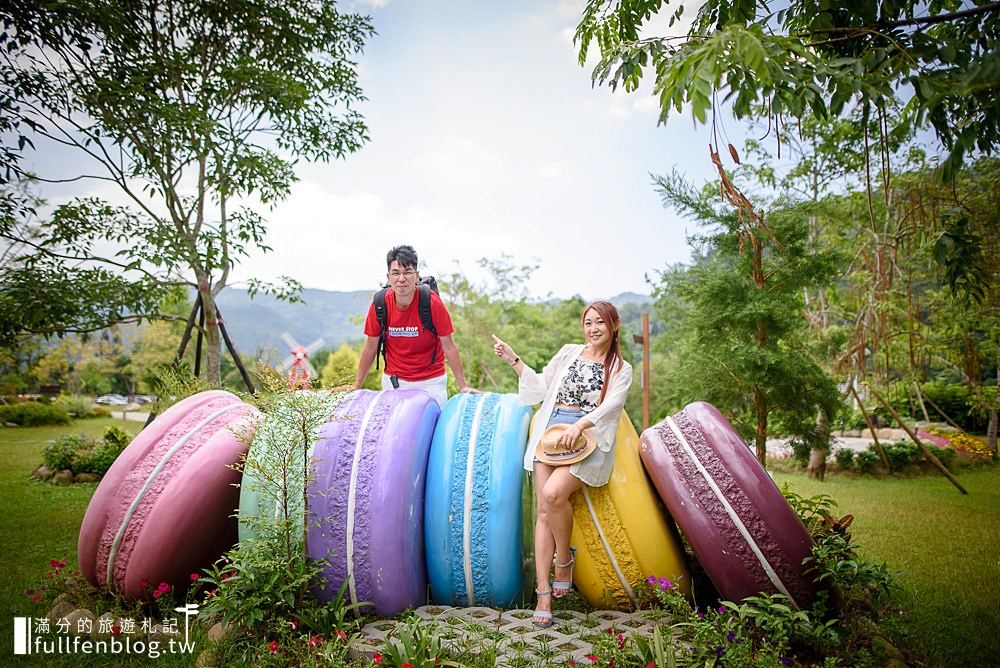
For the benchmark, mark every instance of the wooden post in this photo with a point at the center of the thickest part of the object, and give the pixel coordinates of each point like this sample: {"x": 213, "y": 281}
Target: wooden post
{"x": 927, "y": 453}
{"x": 644, "y": 381}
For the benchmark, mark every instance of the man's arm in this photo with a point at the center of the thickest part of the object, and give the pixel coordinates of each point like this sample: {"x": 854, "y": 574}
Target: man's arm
{"x": 368, "y": 354}
{"x": 454, "y": 361}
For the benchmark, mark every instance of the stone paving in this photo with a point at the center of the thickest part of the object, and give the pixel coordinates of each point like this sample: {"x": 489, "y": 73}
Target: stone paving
{"x": 515, "y": 641}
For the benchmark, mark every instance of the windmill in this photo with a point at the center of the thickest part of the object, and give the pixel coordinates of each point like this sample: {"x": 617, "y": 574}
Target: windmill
{"x": 297, "y": 364}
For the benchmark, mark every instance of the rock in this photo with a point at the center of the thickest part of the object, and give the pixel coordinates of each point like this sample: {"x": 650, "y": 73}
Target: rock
{"x": 87, "y": 477}
{"x": 102, "y": 629}
{"x": 207, "y": 659}
{"x": 42, "y": 472}
{"x": 63, "y": 478}
{"x": 217, "y": 632}
{"x": 64, "y": 597}
{"x": 889, "y": 435}
{"x": 894, "y": 658}
{"x": 59, "y": 611}
{"x": 82, "y": 623}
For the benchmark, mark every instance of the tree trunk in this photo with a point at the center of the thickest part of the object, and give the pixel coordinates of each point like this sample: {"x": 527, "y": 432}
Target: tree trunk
{"x": 213, "y": 341}
{"x": 817, "y": 456}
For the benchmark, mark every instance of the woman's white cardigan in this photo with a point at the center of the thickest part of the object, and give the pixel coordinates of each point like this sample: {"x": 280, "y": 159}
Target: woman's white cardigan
{"x": 534, "y": 387}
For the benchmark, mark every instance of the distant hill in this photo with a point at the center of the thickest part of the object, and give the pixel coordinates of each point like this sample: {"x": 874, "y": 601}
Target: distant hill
{"x": 256, "y": 325}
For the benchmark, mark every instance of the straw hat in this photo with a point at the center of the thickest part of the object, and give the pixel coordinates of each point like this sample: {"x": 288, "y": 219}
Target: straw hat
{"x": 550, "y": 451}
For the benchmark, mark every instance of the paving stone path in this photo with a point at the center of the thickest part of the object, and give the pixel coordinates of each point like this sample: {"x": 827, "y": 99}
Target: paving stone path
{"x": 514, "y": 640}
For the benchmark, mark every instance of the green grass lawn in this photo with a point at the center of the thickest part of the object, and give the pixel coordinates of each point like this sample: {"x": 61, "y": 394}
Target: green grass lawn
{"x": 945, "y": 544}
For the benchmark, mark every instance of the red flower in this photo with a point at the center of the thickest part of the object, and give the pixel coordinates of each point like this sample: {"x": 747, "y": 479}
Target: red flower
{"x": 157, "y": 593}
{"x": 36, "y": 598}
{"x": 273, "y": 647}
{"x": 621, "y": 642}
{"x": 407, "y": 665}
{"x": 194, "y": 577}
{"x": 315, "y": 641}
{"x": 294, "y": 625}
{"x": 650, "y": 665}
{"x": 341, "y": 635}
{"x": 377, "y": 658}
{"x": 593, "y": 659}
{"x": 57, "y": 564}
{"x": 116, "y": 630}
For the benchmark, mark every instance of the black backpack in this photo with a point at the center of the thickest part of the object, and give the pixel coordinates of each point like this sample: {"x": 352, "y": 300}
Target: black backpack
{"x": 424, "y": 288}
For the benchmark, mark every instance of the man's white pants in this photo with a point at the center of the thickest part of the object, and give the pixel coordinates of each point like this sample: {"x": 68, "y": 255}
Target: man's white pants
{"x": 436, "y": 387}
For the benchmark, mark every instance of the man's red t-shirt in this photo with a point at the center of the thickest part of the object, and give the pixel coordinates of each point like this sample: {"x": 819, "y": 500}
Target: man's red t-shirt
{"x": 408, "y": 346}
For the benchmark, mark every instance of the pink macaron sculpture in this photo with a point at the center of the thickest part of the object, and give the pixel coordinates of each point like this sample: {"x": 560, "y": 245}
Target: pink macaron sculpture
{"x": 741, "y": 528}
{"x": 366, "y": 499}
{"x": 165, "y": 508}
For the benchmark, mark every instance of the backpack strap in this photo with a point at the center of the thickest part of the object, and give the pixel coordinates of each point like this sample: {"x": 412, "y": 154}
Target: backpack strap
{"x": 424, "y": 306}
{"x": 382, "y": 317}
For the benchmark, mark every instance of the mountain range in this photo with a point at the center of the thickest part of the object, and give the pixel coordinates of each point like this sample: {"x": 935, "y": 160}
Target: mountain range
{"x": 256, "y": 325}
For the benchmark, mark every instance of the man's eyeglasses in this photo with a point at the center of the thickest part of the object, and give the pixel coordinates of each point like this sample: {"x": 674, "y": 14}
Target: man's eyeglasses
{"x": 396, "y": 274}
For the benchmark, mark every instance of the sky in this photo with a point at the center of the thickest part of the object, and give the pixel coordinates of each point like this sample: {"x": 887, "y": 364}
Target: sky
{"x": 487, "y": 138}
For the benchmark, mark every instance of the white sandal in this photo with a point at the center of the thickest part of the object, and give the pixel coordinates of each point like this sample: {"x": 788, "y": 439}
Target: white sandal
{"x": 561, "y": 585}
{"x": 546, "y": 615}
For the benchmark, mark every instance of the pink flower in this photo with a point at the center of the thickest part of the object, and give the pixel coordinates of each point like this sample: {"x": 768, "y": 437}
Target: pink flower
{"x": 593, "y": 659}
{"x": 341, "y": 635}
{"x": 315, "y": 641}
{"x": 157, "y": 593}
{"x": 665, "y": 584}
{"x": 194, "y": 577}
{"x": 377, "y": 658}
{"x": 650, "y": 665}
{"x": 621, "y": 642}
{"x": 294, "y": 625}
{"x": 273, "y": 647}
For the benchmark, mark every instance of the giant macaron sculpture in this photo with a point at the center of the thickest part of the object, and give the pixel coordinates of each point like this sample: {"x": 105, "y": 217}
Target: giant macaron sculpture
{"x": 277, "y": 446}
{"x": 472, "y": 510}
{"x": 164, "y": 509}
{"x": 623, "y": 534}
{"x": 744, "y": 533}
{"x": 366, "y": 499}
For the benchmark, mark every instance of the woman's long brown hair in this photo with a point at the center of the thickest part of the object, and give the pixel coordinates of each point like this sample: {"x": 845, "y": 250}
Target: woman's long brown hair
{"x": 613, "y": 358}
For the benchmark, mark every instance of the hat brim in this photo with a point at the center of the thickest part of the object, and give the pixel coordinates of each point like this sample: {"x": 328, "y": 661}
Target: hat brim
{"x": 548, "y": 452}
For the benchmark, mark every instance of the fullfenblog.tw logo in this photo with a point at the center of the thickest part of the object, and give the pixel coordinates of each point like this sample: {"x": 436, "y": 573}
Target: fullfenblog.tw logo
{"x": 44, "y": 637}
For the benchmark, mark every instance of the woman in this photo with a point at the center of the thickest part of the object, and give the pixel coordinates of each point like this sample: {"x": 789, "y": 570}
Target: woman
{"x": 583, "y": 387}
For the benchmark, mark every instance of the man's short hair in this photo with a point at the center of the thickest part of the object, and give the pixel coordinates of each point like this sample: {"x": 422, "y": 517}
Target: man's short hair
{"x": 404, "y": 255}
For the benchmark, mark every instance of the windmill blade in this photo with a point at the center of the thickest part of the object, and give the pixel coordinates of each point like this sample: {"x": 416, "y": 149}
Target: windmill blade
{"x": 287, "y": 338}
{"x": 312, "y": 370}
{"x": 285, "y": 364}
{"x": 314, "y": 346}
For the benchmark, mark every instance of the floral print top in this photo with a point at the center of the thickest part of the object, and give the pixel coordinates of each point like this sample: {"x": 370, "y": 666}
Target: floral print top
{"x": 582, "y": 385}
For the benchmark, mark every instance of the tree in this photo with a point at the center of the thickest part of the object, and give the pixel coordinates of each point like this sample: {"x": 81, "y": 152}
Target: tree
{"x": 193, "y": 112}
{"x": 741, "y": 343}
{"x": 819, "y": 58}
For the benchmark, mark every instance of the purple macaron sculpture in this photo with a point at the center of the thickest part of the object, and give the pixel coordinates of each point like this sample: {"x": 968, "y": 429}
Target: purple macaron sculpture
{"x": 366, "y": 499}
{"x": 741, "y": 528}
{"x": 164, "y": 509}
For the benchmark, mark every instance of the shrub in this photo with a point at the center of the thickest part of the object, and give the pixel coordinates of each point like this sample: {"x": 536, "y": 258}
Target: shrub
{"x": 800, "y": 451}
{"x": 902, "y": 454}
{"x": 33, "y": 414}
{"x": 844, "y": 458}
{"x": 75, "y": 405}
{"x": 867, "y": 460}
{"x": 100, "y": 458}
{"x": 66, "y": 452}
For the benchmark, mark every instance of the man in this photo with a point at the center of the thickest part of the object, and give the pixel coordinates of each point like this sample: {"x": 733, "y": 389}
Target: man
{"x": 414, "y": 355}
